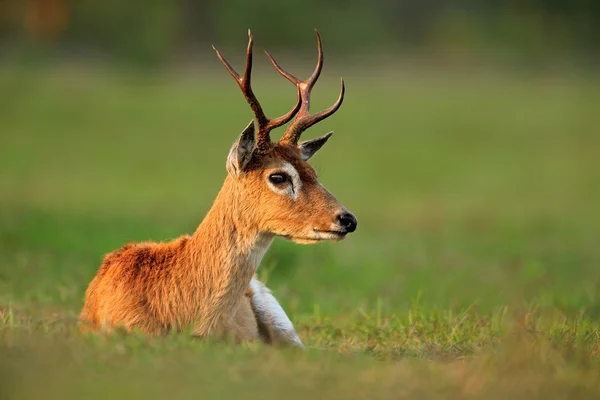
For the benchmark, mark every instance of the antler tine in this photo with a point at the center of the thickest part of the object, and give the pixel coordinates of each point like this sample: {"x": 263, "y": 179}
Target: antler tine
{"x": 245, "y": 82}
{"x": 265, "y": 125}
{"x": 303, "y": 119}
{"x": 310, "y": 120}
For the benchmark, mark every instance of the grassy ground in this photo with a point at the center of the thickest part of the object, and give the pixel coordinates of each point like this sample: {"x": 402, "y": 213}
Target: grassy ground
{"x": 474, "y": 272}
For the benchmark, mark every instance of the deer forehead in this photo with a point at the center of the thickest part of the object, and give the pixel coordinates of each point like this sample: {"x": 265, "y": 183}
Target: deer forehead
{"x": 284, "y": 156}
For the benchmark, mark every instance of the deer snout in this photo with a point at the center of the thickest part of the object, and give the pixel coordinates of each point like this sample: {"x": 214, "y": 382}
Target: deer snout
{"x": 346, "y": 221}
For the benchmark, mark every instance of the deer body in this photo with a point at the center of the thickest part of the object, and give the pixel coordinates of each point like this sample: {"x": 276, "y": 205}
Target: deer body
{"x": 206, "y": 282}
{"x": 199, "y": 280}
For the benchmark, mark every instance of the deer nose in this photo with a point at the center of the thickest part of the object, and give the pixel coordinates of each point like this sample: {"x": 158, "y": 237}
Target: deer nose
{"x": 347, "y": 221}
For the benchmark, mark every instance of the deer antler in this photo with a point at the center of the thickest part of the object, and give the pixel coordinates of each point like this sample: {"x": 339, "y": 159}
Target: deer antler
{"x": 303, "y": 119}
{"x": 265, "y": 125}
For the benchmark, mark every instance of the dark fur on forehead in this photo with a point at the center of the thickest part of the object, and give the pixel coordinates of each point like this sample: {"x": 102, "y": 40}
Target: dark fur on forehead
{"x": 285, "y": 152}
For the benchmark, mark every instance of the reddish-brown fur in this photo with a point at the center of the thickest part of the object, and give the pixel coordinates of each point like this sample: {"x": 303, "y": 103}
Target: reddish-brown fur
{"x": 203, "y": 281}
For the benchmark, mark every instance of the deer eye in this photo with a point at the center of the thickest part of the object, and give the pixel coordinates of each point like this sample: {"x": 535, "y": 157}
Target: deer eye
{"x": 279, "y": 178}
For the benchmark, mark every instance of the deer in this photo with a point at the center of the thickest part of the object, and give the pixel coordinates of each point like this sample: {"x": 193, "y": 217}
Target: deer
{"x": 206, "y": 283}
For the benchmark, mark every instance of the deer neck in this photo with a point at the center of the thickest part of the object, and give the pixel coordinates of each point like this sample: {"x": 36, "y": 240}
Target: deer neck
{"x": 224, "y": 253}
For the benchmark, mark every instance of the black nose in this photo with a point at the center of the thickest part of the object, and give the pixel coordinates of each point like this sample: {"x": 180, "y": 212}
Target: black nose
{"x": 347, "y": 221}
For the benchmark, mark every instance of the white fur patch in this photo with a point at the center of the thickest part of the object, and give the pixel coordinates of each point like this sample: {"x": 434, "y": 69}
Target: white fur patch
{"x": 291, "y": 189}
{"x": 260, "y": 248}
{"x": 269, "y": 311}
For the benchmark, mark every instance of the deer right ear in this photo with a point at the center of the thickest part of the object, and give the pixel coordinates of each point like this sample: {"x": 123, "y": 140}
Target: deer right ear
{"x": 310, "y": 147}
{"x": 241, "y": 151}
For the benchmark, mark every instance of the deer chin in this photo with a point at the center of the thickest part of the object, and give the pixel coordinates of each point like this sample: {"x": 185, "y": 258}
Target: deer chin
{"x": 334, "y": 235}
{"x": 303, "y": 240}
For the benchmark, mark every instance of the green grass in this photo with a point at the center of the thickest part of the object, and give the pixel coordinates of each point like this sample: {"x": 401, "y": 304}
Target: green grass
{"x": 474, "y": 272}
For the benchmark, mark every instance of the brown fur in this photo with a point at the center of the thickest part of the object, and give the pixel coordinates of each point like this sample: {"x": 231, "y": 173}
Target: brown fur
{"x": 202, "y": 281}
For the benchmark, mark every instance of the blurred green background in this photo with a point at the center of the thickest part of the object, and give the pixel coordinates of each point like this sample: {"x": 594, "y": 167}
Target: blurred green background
{"x": 467, "y": 146}
{"x": 151, "y": 32}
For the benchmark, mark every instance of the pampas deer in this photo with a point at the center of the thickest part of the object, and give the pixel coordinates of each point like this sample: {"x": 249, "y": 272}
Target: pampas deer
{"x": 206, "y": 282}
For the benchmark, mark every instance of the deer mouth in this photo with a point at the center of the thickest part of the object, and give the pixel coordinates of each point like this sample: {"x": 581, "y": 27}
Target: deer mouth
{"x": 317, "y": 236}
{"x": 329, "y": 234}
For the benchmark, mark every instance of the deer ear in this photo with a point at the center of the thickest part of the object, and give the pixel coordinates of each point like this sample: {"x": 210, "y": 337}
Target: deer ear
{"x": 310, "y": 147}
{"x": 241, "y": 151}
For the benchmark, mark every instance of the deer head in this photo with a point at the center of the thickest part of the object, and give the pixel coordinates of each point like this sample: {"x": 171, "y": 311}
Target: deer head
{"x": 280, "y": 190}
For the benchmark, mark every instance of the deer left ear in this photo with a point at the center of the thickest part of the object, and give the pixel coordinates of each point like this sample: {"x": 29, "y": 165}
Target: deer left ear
{"x": 310, "y": 147}
{"x": 241, "y": 151}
